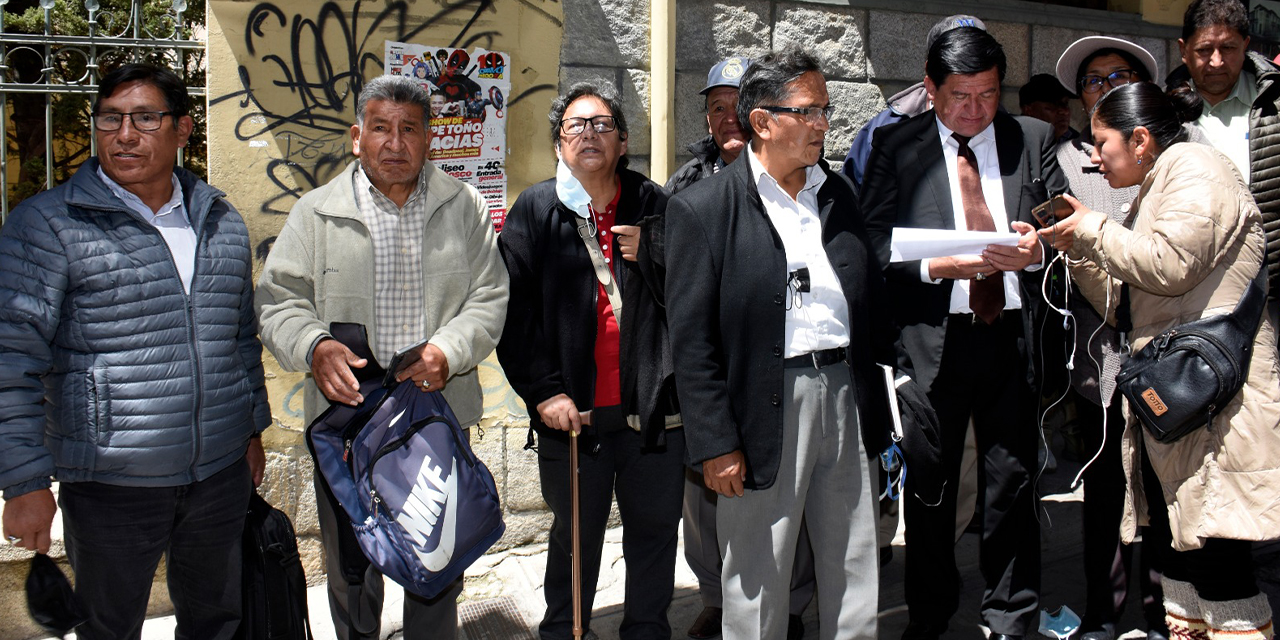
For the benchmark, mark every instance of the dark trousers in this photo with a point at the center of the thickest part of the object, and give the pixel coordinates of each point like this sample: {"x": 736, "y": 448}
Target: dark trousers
{"x": 649, "y": 488}
{"x": 1221, "y": 570}
{"x": 983, "y": 376}
{"x": 116, "y": 535}
{"x": 435, "y": 618}
{"x": 1107, "y": 562}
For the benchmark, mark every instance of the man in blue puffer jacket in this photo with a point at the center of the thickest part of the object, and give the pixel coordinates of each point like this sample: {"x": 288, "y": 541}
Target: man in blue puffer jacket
{"x": 132, "y": 371}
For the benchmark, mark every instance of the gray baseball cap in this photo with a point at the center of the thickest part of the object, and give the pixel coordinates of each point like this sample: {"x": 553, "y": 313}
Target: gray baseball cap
{"x": 726, "y": 73}
{"x": 952, "y": 22}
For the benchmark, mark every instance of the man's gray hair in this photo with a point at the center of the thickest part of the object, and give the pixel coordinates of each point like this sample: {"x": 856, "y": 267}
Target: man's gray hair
{"x": 397, "y": 89}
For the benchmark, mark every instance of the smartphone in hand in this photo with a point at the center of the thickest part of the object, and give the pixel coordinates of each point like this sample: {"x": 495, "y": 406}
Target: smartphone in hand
{"x": 402, "y": 359}
{"x": 1052, "y": 210}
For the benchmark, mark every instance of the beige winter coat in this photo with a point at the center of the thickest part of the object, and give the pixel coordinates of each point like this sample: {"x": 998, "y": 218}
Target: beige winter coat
{"x": 1195, "y": 244}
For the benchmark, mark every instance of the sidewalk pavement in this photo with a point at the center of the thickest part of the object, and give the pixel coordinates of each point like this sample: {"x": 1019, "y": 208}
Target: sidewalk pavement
{"x": 503, "y": 597}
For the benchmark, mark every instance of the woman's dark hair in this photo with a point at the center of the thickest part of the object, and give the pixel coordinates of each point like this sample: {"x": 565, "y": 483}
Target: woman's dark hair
{"x": 1143, "y": 104}
{"x": 964, "y": 51}
{"x": 176, "y": 100}
{"x": 584, "y": 90}
{"x": 765, "y": 82}
{"x": 1129, "y": 59}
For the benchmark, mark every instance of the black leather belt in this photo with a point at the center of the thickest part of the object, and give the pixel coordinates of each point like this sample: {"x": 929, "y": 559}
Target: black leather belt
{"x": 817, "y": 359}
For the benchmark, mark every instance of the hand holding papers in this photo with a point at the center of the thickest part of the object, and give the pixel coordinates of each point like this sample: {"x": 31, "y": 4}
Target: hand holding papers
{"x": 920, "y": 244}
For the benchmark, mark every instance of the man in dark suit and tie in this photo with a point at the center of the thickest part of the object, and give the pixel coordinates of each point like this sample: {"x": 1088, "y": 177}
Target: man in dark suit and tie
{"x": 968, "y": 321}
{"x": 778, "y": 318}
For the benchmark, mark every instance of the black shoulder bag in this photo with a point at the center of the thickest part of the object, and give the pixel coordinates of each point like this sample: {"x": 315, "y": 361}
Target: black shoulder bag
{"x": 1186, "y": 375}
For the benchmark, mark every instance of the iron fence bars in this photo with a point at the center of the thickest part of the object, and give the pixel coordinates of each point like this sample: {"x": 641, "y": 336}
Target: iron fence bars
{"x": 52, "y": 53}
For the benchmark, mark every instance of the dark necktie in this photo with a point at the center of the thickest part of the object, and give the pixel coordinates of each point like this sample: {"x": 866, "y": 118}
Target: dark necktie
{"x": 986, "y": 297}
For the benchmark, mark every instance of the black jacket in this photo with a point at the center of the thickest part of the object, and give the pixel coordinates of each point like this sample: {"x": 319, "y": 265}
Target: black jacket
{"x": 726, "y": 287}
{"x": 548, "y": 342}
{"x": 705, "y": 154}
{"x": 1264, "y": 153}
{"x": 906, "y": 185}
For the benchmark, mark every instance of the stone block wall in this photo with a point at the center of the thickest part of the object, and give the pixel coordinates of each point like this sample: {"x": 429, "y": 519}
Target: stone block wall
{"x": 869, "y": 49}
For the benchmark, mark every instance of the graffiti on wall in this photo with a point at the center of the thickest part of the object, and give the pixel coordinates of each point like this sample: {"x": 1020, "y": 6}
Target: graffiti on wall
{"x": 298, "y": 68}
{"x": 300, "y": 76}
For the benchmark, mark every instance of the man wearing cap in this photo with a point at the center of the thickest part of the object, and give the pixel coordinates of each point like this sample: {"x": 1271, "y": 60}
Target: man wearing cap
{"x": 1044, "y": 98}
{"x": 726, "y": 139}
{"x": 701, "y": 550}
{"x": 968, "y": 321}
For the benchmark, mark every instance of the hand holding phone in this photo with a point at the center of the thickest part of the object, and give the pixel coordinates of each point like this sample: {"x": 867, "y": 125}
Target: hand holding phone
{"x": 1051, "y": 211}
{"x": 402, "y": 360}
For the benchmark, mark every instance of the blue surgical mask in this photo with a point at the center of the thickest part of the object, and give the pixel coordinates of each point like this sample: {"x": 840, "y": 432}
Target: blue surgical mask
{"x": 571, "y": 192}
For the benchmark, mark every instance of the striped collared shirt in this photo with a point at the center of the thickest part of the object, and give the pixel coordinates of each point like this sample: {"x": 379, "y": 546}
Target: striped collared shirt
{"x": 396, "y": 233}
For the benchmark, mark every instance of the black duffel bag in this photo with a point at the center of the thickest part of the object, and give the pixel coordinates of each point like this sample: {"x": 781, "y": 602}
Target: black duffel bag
{"x": 1185, "y": 376}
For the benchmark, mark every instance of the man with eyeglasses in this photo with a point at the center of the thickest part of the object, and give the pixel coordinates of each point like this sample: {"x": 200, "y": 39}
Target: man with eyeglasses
{"x": 395, "y": 251}
{"x": 132, "y": 370}
{"x": 721, "y": 147}
{"x": 968, "y": 322}
{"x": 778, "y": 319}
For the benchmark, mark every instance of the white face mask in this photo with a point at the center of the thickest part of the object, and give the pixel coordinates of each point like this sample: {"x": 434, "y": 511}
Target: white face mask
{"x": 571, "y": 192}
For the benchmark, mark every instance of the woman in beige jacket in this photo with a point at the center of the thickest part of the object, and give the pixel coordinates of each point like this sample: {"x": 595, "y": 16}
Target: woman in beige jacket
{"x": 1190, "y": 250}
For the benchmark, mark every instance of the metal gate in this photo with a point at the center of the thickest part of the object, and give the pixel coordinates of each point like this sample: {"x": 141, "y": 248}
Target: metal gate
{"x": 52, "y": 54}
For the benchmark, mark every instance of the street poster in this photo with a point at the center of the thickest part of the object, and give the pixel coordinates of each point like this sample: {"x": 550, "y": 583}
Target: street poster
{"x": 468, "y": 92}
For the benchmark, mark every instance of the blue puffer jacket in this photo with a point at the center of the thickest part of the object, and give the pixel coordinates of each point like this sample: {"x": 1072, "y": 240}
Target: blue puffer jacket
{"x": 109, "y": 372}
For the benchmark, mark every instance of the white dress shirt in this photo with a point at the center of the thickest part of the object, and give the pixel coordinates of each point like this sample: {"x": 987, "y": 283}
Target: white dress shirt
{"x": 819, "y": 318}
{"x": 171, "y": 221}
{"x": 984, "y": 150}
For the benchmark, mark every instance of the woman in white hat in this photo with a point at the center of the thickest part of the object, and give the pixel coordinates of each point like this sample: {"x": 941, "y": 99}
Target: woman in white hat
{"x": 1089, "y": 68}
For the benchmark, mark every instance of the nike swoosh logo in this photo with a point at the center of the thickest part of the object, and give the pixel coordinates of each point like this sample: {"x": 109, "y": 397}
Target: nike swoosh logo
{"x": 432, "y": 505}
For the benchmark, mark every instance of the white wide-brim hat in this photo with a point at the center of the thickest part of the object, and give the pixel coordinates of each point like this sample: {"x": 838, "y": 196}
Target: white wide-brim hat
{"x": 1069, "y": 63}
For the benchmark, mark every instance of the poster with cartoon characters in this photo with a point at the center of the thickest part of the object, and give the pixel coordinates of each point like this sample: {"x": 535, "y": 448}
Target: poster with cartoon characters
{"x": 468, "y": 113}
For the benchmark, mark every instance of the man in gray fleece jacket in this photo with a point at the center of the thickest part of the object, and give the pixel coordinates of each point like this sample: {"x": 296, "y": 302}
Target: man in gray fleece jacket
{"x": 397, "y": 246}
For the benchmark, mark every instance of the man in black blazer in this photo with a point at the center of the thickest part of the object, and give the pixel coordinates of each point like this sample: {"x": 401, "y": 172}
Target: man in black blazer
{"x": 778, "y": 318}
{"x": 967, "y": 321}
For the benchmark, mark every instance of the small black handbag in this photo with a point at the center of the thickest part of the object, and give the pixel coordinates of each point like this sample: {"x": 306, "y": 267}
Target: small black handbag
{"x": 1181, "y": 379}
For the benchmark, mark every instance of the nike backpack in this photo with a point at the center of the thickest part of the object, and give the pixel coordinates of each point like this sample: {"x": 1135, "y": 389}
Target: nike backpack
{"x": 422, "y": 506}
{"x": 274, "y": 589}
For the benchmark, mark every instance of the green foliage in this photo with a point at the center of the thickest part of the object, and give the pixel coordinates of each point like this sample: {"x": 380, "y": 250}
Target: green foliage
{"x": 70, "y": 111}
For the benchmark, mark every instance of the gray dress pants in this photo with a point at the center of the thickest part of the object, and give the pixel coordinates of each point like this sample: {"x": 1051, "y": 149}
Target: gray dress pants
{"x": 823, "y": 480}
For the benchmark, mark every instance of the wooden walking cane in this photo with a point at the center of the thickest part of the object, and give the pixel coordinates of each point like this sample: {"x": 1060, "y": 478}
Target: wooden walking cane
{"x": 575, "y": 560}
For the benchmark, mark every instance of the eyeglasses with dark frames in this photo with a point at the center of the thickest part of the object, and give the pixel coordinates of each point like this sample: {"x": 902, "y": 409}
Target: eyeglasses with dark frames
{"x": 600, "y": 124}
{"x": 812, "y": 115}
{"x": 1119, "y": 77}
{"x": 142, "y": 120}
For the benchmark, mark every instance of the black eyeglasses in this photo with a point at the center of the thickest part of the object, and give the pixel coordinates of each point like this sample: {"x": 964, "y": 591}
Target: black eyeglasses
{"x": 812, "y": 115}
{"x": 1093, "y": 84}
{"x": 600, "y": 124}
{"x": 142, "y": 120}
